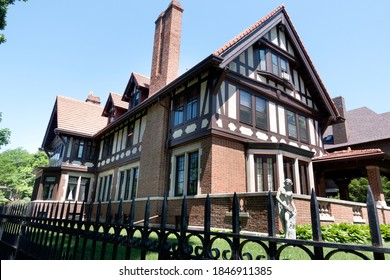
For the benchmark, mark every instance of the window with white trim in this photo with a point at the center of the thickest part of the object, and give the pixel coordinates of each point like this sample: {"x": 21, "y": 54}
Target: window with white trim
{"x": 185, "y": 172}
{"x": 127, "y": 186}
{"x": 78, "y": 188}
{"x": 104, "y": 188}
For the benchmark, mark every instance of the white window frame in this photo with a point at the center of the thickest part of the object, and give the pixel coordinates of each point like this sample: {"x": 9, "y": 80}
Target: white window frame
{"x": 79, "y": 176}
{"x": 101, "y": 177}
{"x": 123, "y": 169}
{"x": 184, "y": 151}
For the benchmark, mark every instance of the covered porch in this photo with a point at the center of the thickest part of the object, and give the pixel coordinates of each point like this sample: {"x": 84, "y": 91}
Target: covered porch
{"x": 334, "y": 171}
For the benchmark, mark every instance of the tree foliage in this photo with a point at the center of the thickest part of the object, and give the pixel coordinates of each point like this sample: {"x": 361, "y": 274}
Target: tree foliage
{"x": 16, "y": 168}
{"x": 358, "y": 189}
{"x": 4, "y": 4}
{"x": 5, "y": 134}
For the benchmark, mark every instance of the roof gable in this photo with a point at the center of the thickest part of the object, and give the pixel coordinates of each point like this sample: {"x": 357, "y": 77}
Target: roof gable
{"x": 74, "y": 117}
{"x": 259, "y": 34}
{"x": 115, "y": 101}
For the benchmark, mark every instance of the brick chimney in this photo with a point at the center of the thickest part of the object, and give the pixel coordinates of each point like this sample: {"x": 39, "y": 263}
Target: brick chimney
{"x": 166, "y": 48}
{"x": 93, "y": 99}
{"x": 340, "y": 131}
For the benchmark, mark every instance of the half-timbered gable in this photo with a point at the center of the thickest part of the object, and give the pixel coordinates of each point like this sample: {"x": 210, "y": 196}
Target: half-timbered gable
{"x": 137, "y": 90}
{"x": 115, "y": 107}
{"x": 272, "y": 99}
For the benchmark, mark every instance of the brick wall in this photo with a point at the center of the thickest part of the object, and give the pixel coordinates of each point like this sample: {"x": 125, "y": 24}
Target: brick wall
{"x": 228, "y": 166}
{"x": 154, "y": 163}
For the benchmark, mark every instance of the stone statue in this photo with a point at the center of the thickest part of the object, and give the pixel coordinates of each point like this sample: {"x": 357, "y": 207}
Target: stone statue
{"x": 287, "y": 210}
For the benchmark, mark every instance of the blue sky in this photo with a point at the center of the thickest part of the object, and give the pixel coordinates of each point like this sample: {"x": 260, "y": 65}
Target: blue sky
{"x": 69, "y": 48}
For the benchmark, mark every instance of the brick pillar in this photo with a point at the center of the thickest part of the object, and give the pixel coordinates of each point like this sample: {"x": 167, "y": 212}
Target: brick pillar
{"x": 154, "y": 163}
{"x": 374, "y": 179}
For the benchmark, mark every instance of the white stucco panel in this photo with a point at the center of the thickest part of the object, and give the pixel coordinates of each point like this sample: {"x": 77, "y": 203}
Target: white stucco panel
{"x": 246, "y": 131}
{"x": 262, "y": 136}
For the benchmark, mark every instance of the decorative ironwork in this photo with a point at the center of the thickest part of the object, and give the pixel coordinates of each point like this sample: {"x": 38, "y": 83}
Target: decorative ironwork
{"x": 60, "y": 231}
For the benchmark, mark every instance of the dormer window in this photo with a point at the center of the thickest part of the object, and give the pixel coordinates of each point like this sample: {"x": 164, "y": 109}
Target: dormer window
{"x": 135, "y": 98}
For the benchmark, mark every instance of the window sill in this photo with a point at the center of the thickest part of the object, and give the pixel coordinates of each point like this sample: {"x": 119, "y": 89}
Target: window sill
{"x": 287, "y": 84}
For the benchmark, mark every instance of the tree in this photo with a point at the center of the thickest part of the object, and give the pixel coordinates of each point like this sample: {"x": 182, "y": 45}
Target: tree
{"x": 5, "y": 134}
{"x": 358, "y": 189}
{"x": 16, "y": 168}
{"x": 3, "y": 12}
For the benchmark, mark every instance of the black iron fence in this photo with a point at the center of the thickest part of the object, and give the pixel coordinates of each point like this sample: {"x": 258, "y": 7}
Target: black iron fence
{"x": 57, "y": 231}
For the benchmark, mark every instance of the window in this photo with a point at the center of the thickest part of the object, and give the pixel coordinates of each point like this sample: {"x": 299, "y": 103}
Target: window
{"x": 292, "y": 125}
{"x": 72, "y": 188}
{"x": 275, "y": 64}
{"x": 56, "y": 155}
{"x": 185, "y": 106}
{"x": 78, "y": 148}
{"x": 192, "y": 105}
{"x": 107, "y": 145}
{"x": 262, "y": 60}
{"x": 245, "y": 107}
{"x": 90, "y": 148}
{"x": 261, "y": 113}
{"x": 180, "y": 163}
{"x": 297, "y": 127}
{"x": 48, "y": 187}
{"x": 303, "y": 177}
{"x": 128, "y": 183}
{"x": 84, "y": 189}
{"x": 104, "y": 193}
{"x": 178, "y": 112}
{"x": 288, "y": 168}
{"x": 303, "y": 133}
{"x": 193, "y": 173}
{"x": 265, "y": 172}
{"x": 186, "y": 173}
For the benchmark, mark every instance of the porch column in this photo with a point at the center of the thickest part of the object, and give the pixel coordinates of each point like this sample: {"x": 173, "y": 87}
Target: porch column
{"x": 297, "y": 182}
{"x": 374, "y": 179}
{"x": 280, "y": 172}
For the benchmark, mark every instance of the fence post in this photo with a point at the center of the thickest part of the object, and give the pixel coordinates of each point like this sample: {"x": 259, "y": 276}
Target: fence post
{"x": 183, "y": 230}
{"x": 316, "y": 225}
{"x": 236, "y": 227}
{"x": 207, "y": 225}
{"x": 271, "y": 227}
{"x": 163, "y": 242}
{"x": 373, "y": 220}
{"x": 145, "y": 230}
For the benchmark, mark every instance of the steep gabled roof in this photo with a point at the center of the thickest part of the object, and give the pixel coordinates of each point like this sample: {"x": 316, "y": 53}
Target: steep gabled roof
{"x": 135, "y": 80}
{"x": 254, "y": 33}
{"x": 246, "y": 32}
{"x": 74, "y": 117}
{"x": 114, "y": 99}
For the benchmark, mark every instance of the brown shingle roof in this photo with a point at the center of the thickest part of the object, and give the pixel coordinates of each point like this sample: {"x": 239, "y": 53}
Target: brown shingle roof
{"x": 117, "y": 100}
{"x": 78, "y": 117}
{"x": 142, "y": 80}
{"x": 363, "y": 125}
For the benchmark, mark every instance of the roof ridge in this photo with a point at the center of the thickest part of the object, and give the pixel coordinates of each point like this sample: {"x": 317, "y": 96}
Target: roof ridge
{"x": 247, "y": 31}
{"x": 78, "y": 100}
{"x": 135, "y": 73}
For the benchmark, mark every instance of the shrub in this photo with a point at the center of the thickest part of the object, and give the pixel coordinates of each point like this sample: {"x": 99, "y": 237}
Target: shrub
{"x": 342, "y": 233}
{"x": 385, "y": 230}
